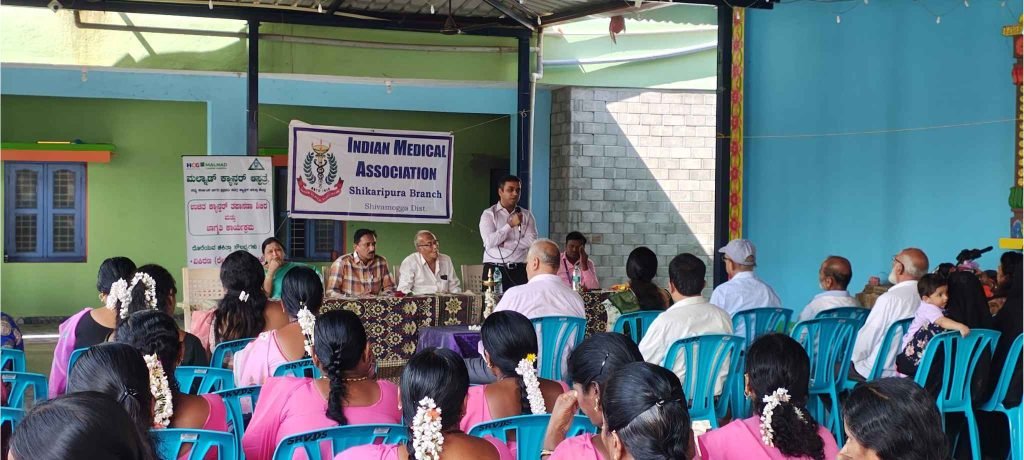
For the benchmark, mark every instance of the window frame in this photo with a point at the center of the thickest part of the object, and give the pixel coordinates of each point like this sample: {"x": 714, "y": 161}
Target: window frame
{"x": 285, "y": 227}
{"x": 45, "y": 212}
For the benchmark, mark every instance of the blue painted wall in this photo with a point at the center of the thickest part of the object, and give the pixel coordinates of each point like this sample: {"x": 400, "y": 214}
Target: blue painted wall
{"x": 887, "y": 65}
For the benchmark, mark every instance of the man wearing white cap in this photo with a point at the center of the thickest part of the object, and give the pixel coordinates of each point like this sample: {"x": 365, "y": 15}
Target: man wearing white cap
{"x": 744, "y": 290}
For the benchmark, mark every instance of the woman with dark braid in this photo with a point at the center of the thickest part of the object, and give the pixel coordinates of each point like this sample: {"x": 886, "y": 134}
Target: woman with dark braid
{"x": 348, "y": 394}
{"x": 777, "y": 375}
{"x": 510, "y": 351}
{"x": 645, "y": 415}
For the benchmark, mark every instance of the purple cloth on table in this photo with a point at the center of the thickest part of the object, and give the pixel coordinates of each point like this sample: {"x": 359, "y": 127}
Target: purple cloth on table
{"x": 456, "y": 338}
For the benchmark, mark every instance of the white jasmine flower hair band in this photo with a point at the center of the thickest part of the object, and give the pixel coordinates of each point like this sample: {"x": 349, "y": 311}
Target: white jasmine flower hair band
{"x": 528, "y": 372}
{"x": 307, "y": 320}
{"x": 117, "y": 292}
{"x": 772, "y": 401}
{"x": 161, "y": 390}
{"x": 427, "y": 439}
{"x": 126, "y": 294}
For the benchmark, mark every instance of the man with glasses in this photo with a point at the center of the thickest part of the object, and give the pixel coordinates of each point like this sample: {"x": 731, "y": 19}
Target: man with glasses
{"x": 427, "y": 271}
{"x": 901, "y": 301}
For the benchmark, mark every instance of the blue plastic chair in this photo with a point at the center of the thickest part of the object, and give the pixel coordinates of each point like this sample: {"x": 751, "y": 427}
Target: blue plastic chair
{"x": 529, "y": 431}
{"x": 169, "y": 442}
{"x": 959, "y": 359}
{"x": 557, "y": 334}
{"x": 12, "y": 416}
{"x": 337, "y": 439}
{"x": 300, "y": 368}
{"x": 225, "y": 350}
{"x": 13, "y": 358}
{"x": 887, "y": 351}
{"x": 239, "y": 402}
{"x": 199, "y": 380}
{"x": 20, "y": 382}
{"x": 77, "y": 353}
{"x": 755, "y": 322}
{"x": 705, "y": 356}
{"x": 634, "y": 325}
{"x": 851, "y": 312}
{"x": 1014, "y": 415}
{"x": 829, "y": 344}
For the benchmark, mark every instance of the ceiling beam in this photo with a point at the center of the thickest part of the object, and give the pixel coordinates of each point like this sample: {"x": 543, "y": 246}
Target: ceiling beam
{"x": 525, "y": 22}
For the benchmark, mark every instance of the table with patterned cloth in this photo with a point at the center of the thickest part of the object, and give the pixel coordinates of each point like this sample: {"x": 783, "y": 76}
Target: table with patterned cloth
{"x": 597, "y": 316}
{"x": 393, "y": 323}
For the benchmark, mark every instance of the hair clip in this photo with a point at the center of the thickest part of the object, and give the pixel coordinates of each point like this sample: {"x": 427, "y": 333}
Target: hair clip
{"x": 243, "y": 296}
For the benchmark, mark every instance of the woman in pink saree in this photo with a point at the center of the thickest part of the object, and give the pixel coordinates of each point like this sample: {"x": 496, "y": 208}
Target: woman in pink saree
{"x": 777, "y": 374}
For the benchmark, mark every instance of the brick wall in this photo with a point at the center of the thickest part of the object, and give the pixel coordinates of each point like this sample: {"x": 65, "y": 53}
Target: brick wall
{"x": 634, "y": 168}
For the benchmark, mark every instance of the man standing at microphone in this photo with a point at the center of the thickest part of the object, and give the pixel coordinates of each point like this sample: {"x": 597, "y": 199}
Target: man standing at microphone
{"x": 508, "y": 230}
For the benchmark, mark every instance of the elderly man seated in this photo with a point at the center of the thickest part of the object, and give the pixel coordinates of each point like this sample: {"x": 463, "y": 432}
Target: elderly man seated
{"x": 427, "y": 271}
{"x": 833, "y": 278}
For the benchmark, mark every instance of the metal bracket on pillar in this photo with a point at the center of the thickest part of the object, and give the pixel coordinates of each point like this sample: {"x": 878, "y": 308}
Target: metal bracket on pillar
{"x": 252, "y": 106}
{"x": 523, "y": 123}
{"x": 724, "y": 134}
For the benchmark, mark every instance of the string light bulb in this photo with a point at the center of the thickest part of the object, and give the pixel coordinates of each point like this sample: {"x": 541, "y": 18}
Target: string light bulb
{"x": 967, "y": 4}
{"x": 431, "y": 9}
{"x": 839, "y": 19}
{"x": 211, "y": 4}
{"x": 938, "y": 19}
{"x": 865, "y": 2}
{"x": 319, "y": 7}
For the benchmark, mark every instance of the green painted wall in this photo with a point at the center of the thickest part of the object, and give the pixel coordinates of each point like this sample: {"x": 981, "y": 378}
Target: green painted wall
{"x": 39, "y": 36}
{"x": 133, "y": 202}
{"x": 477, "y": 150}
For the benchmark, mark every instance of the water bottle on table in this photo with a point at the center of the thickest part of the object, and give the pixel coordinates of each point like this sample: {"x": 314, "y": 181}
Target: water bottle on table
{"x": 577, "y": 278}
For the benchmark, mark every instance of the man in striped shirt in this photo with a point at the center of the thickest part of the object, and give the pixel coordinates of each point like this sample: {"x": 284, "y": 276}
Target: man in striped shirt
{"x": 362, "y": 272}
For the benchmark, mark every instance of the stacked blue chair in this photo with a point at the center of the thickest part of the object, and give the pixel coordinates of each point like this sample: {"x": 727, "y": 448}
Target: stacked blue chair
{"x": 705, "y": 356}
{"x": 960, "y": 356}
{"x": 829, "y": 344}
{"x": 634, "y": 325}
{"x": 300, "y": 368}
{"x": 201, "y": 380}
{"x": 756, "y": 322}
{"x": 1014, "y": 415}
{"x": 12, "y": 360}
{"x": 529, "y": 432}
{"x": 170, "y": 441}
{"x": 340, "y": 438}
{"x": 20, "y": 382}
{"x": 12, "y": 416}
{"x": 885, "y": 359}
{"x": 239, "y": 402}
{"x": 855, "y": 313}
{"x": 226, "y": 350}
{"x": 557, "y": 335}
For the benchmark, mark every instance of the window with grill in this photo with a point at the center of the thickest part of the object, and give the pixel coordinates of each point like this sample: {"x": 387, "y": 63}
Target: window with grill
{"x": 44, "y": 212}
{"x": 305, "y": 239}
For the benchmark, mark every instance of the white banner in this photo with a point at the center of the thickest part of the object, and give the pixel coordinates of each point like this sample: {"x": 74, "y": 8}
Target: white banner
{"x": 229, "y": 206}
{"x": 369, "y": 174}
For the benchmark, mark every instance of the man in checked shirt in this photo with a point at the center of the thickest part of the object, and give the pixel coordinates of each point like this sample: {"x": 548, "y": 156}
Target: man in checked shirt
{"x": 362, "y": 272}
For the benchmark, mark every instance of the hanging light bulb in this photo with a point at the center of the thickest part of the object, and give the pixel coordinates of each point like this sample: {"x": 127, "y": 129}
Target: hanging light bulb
{"x": 839, "y": 19}
{"x": 431, "y": 8}
{"x": 865, "y": 2}
{"x": 319, "y": 7}
{"x": 967, "y": 4}
{"x": 1002, "y": 4}
{"x": 211, "y": 4}
{"x": 737, "y": 15}
{"x": 938, "y": 19}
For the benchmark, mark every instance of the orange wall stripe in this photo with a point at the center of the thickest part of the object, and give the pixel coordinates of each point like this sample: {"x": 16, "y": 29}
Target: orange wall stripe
{"x": 91, "y": 156}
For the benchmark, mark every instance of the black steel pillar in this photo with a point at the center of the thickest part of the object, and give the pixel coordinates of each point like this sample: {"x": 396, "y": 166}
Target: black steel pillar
{"x": 252, "y": 103}
{"x": 723, "y": 131}
{"x": 523, "y": 118}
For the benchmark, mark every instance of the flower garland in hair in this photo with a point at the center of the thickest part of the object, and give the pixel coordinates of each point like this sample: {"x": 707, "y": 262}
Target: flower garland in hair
{"x": 306, "y": 321}
{"x": 772, "y": 401}
{"x": 528, "y": 372}
{"x": 117, "y": 292}
{"x": 427, "y": 439}
{"x": 161, "y": 390}
{"x": 150, "y": 284}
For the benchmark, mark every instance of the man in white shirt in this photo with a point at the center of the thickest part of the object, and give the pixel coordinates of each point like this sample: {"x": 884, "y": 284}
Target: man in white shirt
{"x": 744, "y": 290}
{"x": 427, "y": 271}
{"x": 508, "y": 230}
{"x": 901, "y": 301}
{"x": 690, "y": 316}
{"x": 543, "y": 295}
{"x": 833, "y": 278}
